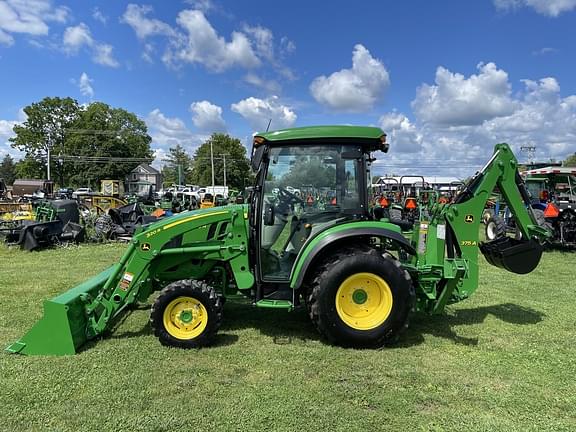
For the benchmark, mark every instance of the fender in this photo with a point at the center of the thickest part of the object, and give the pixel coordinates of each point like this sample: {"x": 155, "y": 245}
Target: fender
{"x": 317, "y": 244}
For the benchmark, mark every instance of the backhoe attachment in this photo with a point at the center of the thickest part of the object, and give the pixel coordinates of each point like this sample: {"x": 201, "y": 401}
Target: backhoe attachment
{"x": 517, "y": 256}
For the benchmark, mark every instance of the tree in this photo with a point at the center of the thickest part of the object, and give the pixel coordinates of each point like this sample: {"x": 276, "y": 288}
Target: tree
{"x": 8, "y": 170}
{"x": 72, "y": 133}
{"x": 43, "y": 131}
{"x": 30, "y": 168}
{"x": 238, "y": 174}
{"x": 570, "y": 161}
{"x": 310, "y": 172}
{"x": 105, "y": 132}
{"x": 178, "y": 168}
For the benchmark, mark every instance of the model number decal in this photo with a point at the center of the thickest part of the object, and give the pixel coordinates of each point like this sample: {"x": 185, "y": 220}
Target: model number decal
{"x": 468, "y": 243}
{"x": 152, "y": 233}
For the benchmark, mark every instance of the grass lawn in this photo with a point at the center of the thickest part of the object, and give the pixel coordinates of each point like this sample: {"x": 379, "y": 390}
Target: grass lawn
{"x": 504, "y": 360}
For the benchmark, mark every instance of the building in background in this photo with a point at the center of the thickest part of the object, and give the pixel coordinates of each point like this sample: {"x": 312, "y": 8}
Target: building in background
{"x": 141, "y": 178}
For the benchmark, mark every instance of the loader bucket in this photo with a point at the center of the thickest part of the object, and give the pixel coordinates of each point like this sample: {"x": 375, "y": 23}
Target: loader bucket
{"x": 62, "y": 329}
{"x": 516, "y": 256}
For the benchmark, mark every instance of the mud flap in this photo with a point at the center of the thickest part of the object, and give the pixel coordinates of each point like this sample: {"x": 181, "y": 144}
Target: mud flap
{"x": 516, "y": 256}
{"x": 63, "y": 328}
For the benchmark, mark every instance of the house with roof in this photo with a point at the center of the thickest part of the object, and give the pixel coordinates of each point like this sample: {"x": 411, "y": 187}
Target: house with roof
{"x": 142, "y": 178}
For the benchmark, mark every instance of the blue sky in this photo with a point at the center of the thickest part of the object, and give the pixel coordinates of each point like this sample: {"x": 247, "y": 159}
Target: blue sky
{"x": 446, "y": 79}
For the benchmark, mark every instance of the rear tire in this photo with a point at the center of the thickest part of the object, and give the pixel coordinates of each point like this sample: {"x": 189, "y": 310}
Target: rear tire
{"x": 495, "y": 228}
{"x": 360, "y": 299}
{"x": 186, "y": 314}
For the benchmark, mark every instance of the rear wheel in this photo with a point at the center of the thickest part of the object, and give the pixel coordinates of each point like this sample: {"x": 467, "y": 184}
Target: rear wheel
{"x": 186, "y": 314}
{"x": 359, "y": 298}
{"x": 495, "y": 228}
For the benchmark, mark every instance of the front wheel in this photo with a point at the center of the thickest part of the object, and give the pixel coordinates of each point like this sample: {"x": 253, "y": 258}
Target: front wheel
{"x": 359, "y": 298}
{"x": 186, "y": 314}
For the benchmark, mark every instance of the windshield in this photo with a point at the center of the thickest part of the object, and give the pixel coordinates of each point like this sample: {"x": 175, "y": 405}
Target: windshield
{"x": 318, "y": 178}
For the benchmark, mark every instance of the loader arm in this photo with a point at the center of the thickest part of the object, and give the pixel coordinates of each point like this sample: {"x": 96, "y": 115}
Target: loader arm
{"x": 448, "y": 243}
{"x": 189, "y": 245}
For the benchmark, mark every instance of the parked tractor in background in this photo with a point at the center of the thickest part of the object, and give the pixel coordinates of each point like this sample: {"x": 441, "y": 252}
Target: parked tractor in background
{"x": 358, "y": 276}
{"x": 553, "y": 202}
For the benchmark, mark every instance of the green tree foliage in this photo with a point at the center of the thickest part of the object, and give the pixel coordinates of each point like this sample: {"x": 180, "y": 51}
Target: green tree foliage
{"x": 570, "y": 161}
{"x": 238, "y": 174}
{"x": 69, "y": 129}
{"x": 30, "y": 168}
{"x": 8, "y": 170}
{"x": 178, "y": 165}
{"x": 44, "y": 128}
{"x": 102, "y": 131}
{"x": 310, "y": 172}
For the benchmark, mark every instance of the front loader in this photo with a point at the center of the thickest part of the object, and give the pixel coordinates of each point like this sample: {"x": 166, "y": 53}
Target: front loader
{"x": 359, "y": 277}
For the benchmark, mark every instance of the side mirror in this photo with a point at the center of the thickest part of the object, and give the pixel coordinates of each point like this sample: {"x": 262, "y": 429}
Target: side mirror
{"x": 269, "y": 214}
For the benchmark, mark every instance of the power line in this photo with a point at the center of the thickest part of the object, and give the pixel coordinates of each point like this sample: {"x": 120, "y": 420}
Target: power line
{"x": 103, "y": 159}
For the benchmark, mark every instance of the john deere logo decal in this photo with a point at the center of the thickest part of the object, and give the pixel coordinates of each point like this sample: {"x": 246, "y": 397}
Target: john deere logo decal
{"x": 469, "y": 218}
{"x": 145, "y": 246}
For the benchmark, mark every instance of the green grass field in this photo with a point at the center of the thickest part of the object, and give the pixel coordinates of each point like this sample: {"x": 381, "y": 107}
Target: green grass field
{"x": 504, "y": 360}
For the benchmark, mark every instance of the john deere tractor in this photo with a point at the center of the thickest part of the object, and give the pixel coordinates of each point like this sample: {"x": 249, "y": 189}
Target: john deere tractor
{"x": 359, "y": 277}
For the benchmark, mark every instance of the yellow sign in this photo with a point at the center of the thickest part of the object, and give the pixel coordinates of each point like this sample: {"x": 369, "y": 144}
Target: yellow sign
{"x": 469, "y": 218}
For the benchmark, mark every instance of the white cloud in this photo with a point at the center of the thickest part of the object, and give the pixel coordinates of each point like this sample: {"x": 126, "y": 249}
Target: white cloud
{"x": 99, "y": 16}
{"x": 263, "y": 41}
{"x": 356, "y": 89}
{"x": 456, "y": 100}
{"x": 258, "y": 112}
{"x": 103, "y": 55}
{"x": 6, "y": 133}
{"x": 78, "y": 37}
{"x": 203, "y": 45}
{"x": 542, "y": 118}
{"x": 202, "y": 5}
{"x": 400, "y": 131}
{"x": 85, "y": 85}
{"x": 207, "y": 117}
{"x": 28, "y": 17}
{"x": 269, "y": 86}
{"x": 544, "y": 51}
{"x": 551, "y": 8}
{"x": 545, "y": 119}
{"x": 135, "y": 17}
{"x": 148, "y": 52}
{"x": 168, "y": 132}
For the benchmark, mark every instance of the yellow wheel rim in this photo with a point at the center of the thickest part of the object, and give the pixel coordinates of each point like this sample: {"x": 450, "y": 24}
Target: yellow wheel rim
{"x": 364, "y": 301}
{"x": 185, "y": 318}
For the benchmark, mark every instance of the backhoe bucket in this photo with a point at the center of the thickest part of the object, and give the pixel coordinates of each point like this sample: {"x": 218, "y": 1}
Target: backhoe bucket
{"x": 516, "y": 256}
{"x": 62, "y": 329}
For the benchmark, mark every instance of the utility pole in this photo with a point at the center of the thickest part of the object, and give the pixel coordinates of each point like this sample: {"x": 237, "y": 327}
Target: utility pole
{"x": 224, "y": 158}
{"x": 48, "y": 164}
{"x": 212, "y": 163}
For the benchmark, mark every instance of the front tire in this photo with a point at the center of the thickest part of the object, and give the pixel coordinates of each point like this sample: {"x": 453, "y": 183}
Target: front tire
{"x": 360, "y": 299}
{"x": 186, "y": 314}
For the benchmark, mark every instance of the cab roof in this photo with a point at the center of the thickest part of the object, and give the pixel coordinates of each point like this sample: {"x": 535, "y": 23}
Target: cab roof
{"x": 373, "y": 137}
{"x": 315, "y": 132}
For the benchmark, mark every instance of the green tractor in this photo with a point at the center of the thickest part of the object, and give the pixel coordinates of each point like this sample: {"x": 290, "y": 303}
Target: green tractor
{"x": 359, "y": 277}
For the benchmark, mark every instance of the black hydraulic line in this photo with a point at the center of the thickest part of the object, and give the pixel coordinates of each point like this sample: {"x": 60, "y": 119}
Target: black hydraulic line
{"x": 522, "y": 189}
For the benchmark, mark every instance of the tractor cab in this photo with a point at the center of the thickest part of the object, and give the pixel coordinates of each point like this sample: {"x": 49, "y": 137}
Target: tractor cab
{"x": 305, "y": 185}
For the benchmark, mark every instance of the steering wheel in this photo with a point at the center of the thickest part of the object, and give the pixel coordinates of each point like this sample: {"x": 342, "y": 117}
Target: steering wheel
{"x": 288, "y": 197}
